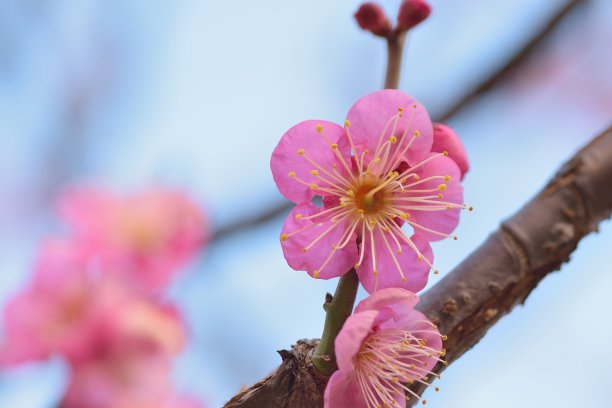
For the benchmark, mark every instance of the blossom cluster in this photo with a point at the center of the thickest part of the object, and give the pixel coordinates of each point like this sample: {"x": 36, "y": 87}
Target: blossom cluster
{"x": 96, "y": 298}
{"x": 370, "y": 196}
{"x": 387, "y": 168}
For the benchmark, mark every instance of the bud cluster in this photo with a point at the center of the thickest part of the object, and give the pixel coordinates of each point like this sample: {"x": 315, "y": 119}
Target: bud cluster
{"x": 371, "y": 17}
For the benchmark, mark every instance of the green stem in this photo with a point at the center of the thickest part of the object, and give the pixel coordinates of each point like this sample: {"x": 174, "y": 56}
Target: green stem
{"x": 338, "y": 309}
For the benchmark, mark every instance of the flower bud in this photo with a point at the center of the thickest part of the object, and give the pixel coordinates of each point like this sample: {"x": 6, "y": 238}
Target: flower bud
{"x": 371, "y": 17}
{"x": 412, "y": 13}
{"x": 446, "y": 140}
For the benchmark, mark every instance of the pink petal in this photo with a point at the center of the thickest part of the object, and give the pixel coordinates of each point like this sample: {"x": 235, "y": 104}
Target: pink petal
{"x": 286, "y": 160}
{"x": 445, "y": 139}
{"x": 443, "y": 221}
{"x": 315, "y": 257}
{"x": 348, "y": 342}
{"x": 343, "y": 391}
{"x": 418, "y": 321}
{"x": 369, "y": 115}
{"x": 416, "y": 272}
{"x": 386, "y": 297}
{"x": 89, "y": 212}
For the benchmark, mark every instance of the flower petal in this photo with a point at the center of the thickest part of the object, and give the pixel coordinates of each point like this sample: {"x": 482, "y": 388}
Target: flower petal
{"x": 386, "y": 297}
{"x": 343, "y": 391}
{"x": 288, "y": 166}
{"x": 317, "y": 256}
{"x": 348, "y": 342}
{"x": 445, "y": 139}
{"x": 416, "y": 272}
{"x": 370, "y": 115}
{"x": 445, "y": 220}
{"x": 418, "y": 324}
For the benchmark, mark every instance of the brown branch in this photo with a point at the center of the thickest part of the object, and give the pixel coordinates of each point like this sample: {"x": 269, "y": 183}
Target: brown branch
{"x": 395, "y": 51}
{"x": 495, "y": 278}
{"x": 536, "y": 241}
{"x": 489, "y": 83}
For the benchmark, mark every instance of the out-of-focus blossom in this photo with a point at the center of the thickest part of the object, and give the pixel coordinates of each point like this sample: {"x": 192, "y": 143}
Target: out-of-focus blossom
{"x": 445, "y": 139}
{"x": 375, "y": 174}
{"x": 147, "y": 237}
{"x": 383, "y": 346}
{"x": 130, "y": 362}
{"x": 61, "y": 311}
{"x": 371, "y": 17}
{"x": 412, "y": 13}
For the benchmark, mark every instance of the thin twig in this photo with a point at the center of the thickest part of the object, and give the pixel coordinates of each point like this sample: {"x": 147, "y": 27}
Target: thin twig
{"x": 395, "y": 51}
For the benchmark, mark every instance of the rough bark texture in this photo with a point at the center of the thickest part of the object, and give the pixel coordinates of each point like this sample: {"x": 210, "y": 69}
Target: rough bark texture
{"x": 536, "y": 241}
{"x": 295, "y": 383}
{"x": 495, "y": 278}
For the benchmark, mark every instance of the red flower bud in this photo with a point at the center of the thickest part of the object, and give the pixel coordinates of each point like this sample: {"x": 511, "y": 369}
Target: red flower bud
{"x": 412, "y": 13}
{"x": 446, "y": 140}
{"x": 371, "y": 17}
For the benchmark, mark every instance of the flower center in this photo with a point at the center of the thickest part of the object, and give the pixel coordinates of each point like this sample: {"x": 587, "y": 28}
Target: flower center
{"x": 392, "y": 359}
{"x": 369, "y": 199}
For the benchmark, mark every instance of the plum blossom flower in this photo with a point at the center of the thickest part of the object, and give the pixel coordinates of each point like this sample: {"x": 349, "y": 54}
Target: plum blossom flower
{"x": 374, "y": 175}
{"x": 61, "y": 311}
{"x": 147, "y": 236}
{"x": 131, "y": 361}
{"x": 383, "y": 347}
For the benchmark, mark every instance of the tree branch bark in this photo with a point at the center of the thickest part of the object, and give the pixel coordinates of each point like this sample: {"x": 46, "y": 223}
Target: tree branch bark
{"x": 496, "y": 277}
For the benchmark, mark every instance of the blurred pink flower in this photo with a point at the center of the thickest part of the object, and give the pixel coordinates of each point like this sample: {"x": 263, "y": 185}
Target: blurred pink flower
{"x": 146, "y": 236}
{"x": 384, "y": 345}
{"x": 130, "y": 361}
{"x": 61, "y": 311}
{"x": 375, "y": 174}
{"x": 70, "y": 308}
{"x": 445, "y": 139}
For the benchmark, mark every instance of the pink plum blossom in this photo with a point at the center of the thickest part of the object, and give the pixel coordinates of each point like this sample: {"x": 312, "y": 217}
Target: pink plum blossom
{"x": 375, "y": 174}
{"x": 146, "y": 236}
{"x": 383, "y": 346}
{"x": 61, "y": 311}
{"x": 445, "y": 139}
{"x": 130, "y": 361}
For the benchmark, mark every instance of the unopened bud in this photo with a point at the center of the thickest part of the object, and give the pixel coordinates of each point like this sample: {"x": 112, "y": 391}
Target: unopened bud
{"x": 446, "y": 140}
{"x": 412, "y": 13}
{"x": 371, "y": 17}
